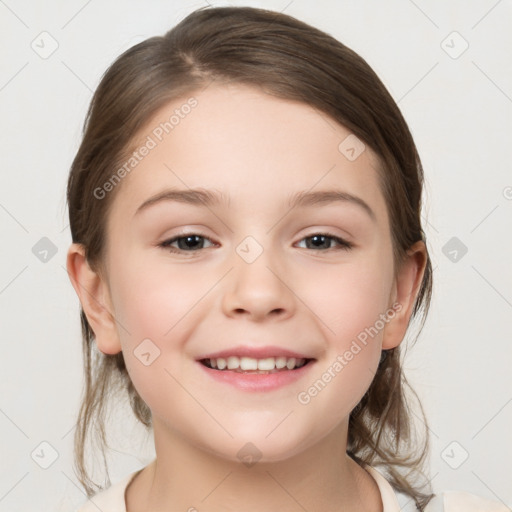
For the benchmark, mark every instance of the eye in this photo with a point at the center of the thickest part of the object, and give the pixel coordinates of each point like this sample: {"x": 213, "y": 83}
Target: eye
{"x": 323, "y": 241}
{"x": 193, "y": 242}
{"x": 189, "y": 242}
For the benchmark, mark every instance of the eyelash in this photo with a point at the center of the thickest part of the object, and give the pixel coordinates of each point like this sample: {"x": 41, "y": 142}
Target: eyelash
{"x": 342, "y": 244}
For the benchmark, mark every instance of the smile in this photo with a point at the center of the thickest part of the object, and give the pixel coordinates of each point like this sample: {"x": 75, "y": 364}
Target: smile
{"x": 252, "y": 365}
{"x": 244, "y": 373}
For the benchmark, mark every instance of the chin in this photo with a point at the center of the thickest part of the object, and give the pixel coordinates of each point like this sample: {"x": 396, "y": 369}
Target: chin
{"x": 252, "y": 449}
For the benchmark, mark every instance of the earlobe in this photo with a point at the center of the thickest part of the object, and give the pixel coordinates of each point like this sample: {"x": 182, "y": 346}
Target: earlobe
{"x": 94, "y": 296}
{"x": 407, "y": 285}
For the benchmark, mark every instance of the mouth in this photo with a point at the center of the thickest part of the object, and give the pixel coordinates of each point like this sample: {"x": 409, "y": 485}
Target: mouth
{"x": 249, "y": 365}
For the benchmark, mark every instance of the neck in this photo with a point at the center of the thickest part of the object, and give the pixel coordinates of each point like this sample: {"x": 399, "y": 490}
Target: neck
{"x": 185, "y": 477}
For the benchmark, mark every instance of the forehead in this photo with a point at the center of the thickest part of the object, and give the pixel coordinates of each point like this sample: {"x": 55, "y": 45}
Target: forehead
{"x": 253, "y": 148}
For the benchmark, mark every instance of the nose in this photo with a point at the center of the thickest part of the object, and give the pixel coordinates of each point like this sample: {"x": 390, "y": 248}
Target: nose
{"x": 258, "y": 290}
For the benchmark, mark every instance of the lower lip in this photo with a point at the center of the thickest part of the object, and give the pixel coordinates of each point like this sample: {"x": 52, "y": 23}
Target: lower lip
{"x": 257, "y": 381}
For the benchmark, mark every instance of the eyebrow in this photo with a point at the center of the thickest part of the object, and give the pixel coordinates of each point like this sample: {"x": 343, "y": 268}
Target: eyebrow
{"x": 204, "y": 197}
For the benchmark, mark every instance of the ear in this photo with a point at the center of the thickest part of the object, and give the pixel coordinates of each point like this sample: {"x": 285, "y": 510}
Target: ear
{"x": 94, "y": 295}
{"x": 403, "y": 296}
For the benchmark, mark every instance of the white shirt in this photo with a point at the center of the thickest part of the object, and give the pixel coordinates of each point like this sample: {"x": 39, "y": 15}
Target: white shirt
{"x": 113, "y": 499}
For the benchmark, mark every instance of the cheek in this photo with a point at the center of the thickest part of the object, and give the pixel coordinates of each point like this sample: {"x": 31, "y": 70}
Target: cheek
{"x": 349, "y": 298}
{"x": 152, "y": 304}
{"x": 339, "y": 304}
{"x": 154, "y": 311}
{"x": 343, "y": 300}
{"x": 350, "y": 302}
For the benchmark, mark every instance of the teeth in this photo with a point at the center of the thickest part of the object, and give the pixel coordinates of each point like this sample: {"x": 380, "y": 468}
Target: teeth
{"x": 290, "y": 364}
{"x": 233, "y": 363}
{"x": 265, "y": 364}
{"x": 280, "y": 362}
{"x": 250, "y": 364}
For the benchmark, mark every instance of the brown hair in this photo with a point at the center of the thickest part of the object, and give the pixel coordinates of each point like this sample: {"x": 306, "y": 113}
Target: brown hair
{"x": 291, "y": 60}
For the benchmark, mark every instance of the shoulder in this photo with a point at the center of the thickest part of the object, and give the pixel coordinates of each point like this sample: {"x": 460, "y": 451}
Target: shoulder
{"x": 111, "y": 499}
{"x": 448, "y": 501}
{"x": 462, "y": 501}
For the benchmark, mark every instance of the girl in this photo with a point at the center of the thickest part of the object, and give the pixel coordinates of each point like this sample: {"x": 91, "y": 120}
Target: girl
{"x": 248, "y": 254}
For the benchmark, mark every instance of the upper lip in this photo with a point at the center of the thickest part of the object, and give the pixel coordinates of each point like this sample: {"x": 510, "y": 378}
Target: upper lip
{"x": 255, "y": 352}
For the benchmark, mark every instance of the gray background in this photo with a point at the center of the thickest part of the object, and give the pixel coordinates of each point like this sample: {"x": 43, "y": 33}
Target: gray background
{"x": 458, "y": 105}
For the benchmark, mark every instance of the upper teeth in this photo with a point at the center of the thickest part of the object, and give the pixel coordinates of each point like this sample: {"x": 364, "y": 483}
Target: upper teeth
{"x": 249, "y": 363}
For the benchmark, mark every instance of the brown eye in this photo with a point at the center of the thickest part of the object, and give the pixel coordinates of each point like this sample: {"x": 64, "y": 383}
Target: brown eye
{"x": 187, "y": 243}
{"x": 323, "y": 241}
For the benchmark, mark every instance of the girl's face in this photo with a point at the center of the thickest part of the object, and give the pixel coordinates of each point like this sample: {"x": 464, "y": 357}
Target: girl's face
{"x": 260, "y": 269}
